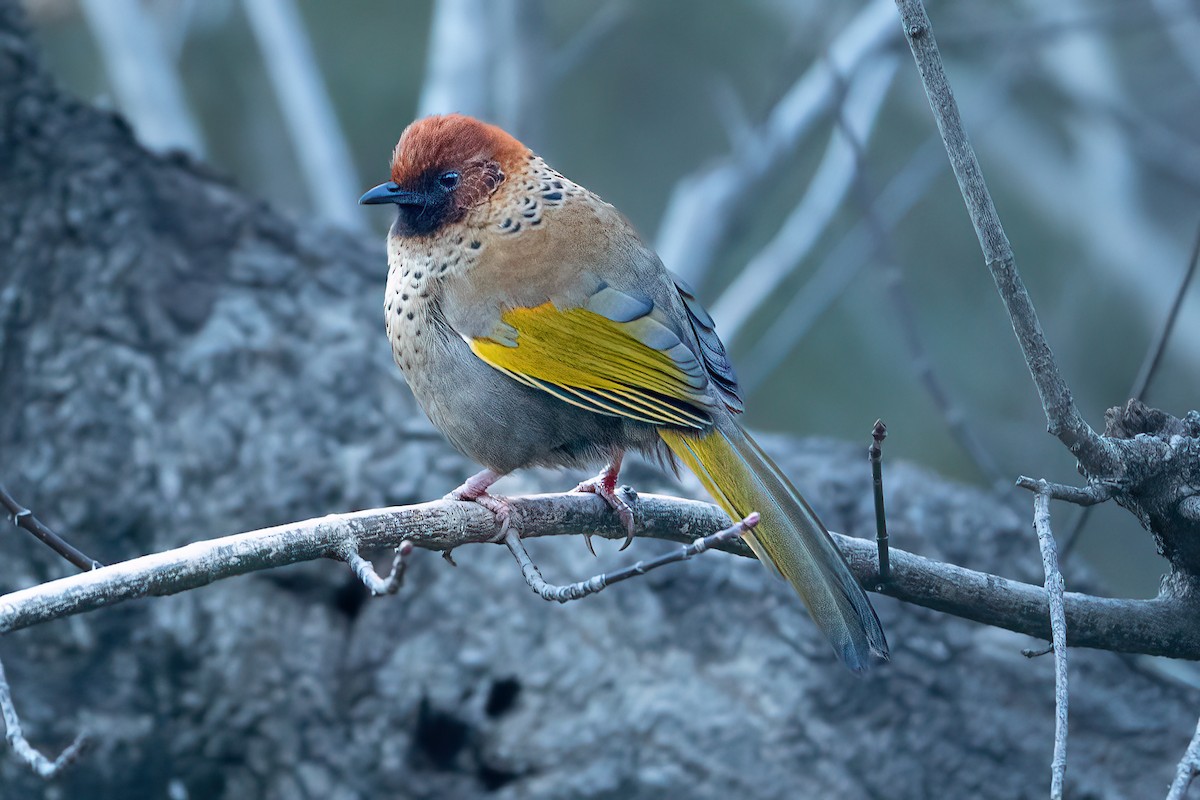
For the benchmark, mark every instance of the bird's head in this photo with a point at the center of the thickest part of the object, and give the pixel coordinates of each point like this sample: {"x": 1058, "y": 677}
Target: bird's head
{"x": 443, "y": 167}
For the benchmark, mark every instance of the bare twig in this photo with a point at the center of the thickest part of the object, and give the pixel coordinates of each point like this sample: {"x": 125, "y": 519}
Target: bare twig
{"x": 1087, "y": 496}
{"x": 1062, "y": 416}
{"x": 758, "y": 281}
{"x": 1163, "y": 626}
{"x": 312, "y": 124}
{"x": 690, "y": 236}
{"x": 43, "y": 766}
{"x": 1154, "y": 355}
{"x": 875, "y": 453}
{"x": 143, "y": 75}
{"x": 23, "y": 518}
{"x": 1188, "y": 769}
{"x": 370, "y": 578}
{"x": 581, "y": 589}
{"x": 1058, "y": 627}
{"x": 1141, "y": 383}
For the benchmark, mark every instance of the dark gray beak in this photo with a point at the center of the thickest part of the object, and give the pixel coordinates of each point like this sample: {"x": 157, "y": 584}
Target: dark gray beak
{"x": 392, "y": 193}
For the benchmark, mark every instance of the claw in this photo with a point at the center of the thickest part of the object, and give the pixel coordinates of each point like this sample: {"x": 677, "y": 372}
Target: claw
{"x": 475, "y": 490}
{"x": 604, "y": 485}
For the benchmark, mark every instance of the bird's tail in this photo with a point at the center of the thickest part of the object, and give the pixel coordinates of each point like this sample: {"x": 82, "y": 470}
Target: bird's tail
{"x": 789, "y": 540}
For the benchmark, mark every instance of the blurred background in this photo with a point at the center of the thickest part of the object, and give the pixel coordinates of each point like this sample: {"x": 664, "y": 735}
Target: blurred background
{"x": 781, "y": 156}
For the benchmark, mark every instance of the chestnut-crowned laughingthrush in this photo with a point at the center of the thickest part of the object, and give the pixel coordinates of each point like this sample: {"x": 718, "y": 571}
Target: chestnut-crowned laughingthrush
{"x": 536, "y": 328}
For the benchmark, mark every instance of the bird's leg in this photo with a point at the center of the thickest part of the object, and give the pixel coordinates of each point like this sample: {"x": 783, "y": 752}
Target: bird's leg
{"x": 475, "y": 490}
{"x": 605, "y": 485}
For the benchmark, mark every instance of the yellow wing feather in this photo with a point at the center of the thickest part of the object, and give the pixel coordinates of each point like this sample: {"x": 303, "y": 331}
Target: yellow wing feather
{"x": 591, "y": 361}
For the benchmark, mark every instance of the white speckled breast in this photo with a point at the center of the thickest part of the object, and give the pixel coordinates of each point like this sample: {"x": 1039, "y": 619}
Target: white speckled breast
{"x": 418, "y": 264}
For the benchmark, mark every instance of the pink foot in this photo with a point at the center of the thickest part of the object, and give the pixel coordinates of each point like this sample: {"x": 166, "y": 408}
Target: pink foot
{"x": 604, "y": 485}
{"x": 475, "y": 490}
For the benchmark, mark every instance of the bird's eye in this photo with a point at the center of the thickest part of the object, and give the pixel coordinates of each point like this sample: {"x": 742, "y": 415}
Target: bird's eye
{"x": 449, "y": 180}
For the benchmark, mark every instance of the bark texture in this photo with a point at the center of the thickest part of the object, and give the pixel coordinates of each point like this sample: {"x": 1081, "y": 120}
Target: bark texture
{"x": 177, "y": 359}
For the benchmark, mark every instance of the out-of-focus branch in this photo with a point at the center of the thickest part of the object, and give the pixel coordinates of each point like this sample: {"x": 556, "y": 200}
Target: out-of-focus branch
{"x": 1163, "y": 626}
{"x": 1182, "y": 28}
{"x": 143, "y": 75}
{"x": 690, "y": 235}
{"x": 952, "y": 414}
{"x": 770, "y": 267}
{"x": 856, "y": 248}
{"x": 21, "y": 746}
{"x": 838, "y": 269}
{"x": 519, "y": 78}
{"x": 459, "y": 59}
{"x": 312, "y": 124}
{"x": 575, "y": 51}
{"x": 1063, "y": 418}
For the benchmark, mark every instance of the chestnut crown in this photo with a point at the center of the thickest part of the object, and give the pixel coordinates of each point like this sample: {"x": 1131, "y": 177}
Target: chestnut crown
{"x": 442, "y": 167}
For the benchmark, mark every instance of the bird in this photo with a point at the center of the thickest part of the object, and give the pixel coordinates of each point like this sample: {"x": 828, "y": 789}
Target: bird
{"x": 535, "y": 327}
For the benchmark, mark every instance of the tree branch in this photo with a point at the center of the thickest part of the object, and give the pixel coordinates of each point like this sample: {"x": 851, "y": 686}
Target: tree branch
{"x": 23, "y": 518}
{"x": 1188, "y": 769}
{"x": 1164, "y": 626}
{"x": 1062, "y": 416}
{"x": 43, "y": 766}
{"x": 1058, "y": 627}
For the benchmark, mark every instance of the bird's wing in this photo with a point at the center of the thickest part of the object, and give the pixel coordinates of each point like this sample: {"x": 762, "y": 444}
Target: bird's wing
{"x": 615, "y": 354}
{"x": 712, "y": 349}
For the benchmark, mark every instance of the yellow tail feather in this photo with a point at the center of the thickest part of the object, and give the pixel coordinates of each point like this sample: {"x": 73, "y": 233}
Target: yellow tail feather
{"x": 790, "y": 539}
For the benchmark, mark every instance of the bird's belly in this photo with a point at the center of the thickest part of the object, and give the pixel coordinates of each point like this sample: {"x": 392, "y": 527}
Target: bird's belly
{"x": 487, "y": 415}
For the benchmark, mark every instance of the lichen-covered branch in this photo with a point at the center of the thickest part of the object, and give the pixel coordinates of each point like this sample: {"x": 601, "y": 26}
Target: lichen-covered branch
{"x": 20, "y": 745}
{"x": 1164, "y": 626}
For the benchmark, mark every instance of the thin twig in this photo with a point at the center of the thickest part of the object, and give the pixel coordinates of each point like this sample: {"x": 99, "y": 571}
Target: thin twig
{"x": 23, "y": 518}
{"x": 1088, "y": 496}
{"x": 1058, "y": 627}
{"x": 1154, "y": 355}
{"x": 575, "y": 591}
{"x": 1062, "y": 416}
{"x": 875, "y": 453}
{"x": 21, "y": 747}
{"x": 1188, "y": 769}
{"x": 1164, "y": 626}
{"x": 370, "y": 578}
{"x": 1141, "y": 384}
